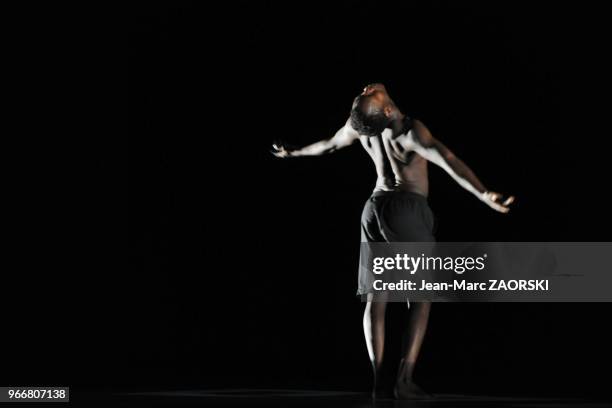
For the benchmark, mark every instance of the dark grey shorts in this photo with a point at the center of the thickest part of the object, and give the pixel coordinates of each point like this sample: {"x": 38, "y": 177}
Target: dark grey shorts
{"x": 394, "y": 216}
{"x": 397, "y": 216}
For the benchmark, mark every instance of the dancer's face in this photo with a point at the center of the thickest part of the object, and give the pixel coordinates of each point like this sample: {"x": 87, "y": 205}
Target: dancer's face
{"x": 375, "y": 98}
{"x": 373, "y": 89}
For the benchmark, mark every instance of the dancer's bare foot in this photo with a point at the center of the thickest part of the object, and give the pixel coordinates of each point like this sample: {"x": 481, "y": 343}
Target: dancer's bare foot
{"x": 405, "y": 388}
{"x": 408, "y": 391}
{"x": 382, "y": 387}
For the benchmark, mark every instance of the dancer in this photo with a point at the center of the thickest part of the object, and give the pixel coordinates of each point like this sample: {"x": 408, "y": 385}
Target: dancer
{"x": 397, "y": 210}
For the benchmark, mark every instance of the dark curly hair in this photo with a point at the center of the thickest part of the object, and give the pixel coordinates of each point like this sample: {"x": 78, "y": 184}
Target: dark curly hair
{"x": 370, "y": 123}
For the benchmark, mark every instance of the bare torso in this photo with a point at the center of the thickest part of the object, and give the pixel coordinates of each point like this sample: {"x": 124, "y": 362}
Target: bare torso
{"x": 396, "y": 167}
{"x": 400, "y": 155}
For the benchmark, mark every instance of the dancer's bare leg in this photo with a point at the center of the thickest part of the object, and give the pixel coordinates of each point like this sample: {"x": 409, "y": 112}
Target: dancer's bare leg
{"x": 405, "y": 388}
{"x": 374, "y": 330}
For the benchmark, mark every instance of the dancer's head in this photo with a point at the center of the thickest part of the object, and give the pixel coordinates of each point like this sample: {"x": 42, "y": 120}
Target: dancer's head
{"x": 373, "y": 110}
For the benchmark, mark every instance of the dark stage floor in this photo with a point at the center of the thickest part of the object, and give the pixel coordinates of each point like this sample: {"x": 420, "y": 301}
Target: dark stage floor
{"x": 309, "y": 398}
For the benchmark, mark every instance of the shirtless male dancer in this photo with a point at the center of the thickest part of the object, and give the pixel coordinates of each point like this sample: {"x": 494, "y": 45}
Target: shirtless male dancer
{"x": 397, "y": 211}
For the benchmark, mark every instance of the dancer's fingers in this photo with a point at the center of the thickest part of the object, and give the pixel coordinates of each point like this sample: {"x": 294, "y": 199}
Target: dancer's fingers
{"x": 502, "y": 209}
{"x": 499, "y": 207}
{"x": 508, "y": 201}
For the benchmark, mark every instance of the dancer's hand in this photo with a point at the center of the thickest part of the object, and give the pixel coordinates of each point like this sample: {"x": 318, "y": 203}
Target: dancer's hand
{"x": 279, "y": 149}
{"x": 494, "y": 200}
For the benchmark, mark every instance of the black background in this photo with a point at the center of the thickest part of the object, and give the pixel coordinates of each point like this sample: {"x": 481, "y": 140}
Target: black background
{"x": 242, "y": 267}
{"x": 239, "y": 269}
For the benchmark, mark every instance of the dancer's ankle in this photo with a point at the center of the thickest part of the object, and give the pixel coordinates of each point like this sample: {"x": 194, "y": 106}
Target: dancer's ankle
{"x": 406, "y": 368}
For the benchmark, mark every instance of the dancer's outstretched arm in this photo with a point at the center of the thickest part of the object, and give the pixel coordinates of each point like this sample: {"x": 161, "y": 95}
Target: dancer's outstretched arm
{"x": 343, "y": 137}
{"x": 421, "y": 141}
